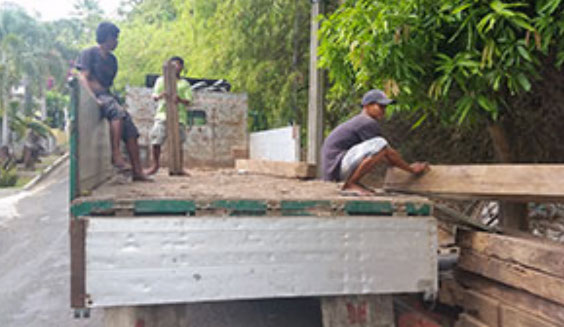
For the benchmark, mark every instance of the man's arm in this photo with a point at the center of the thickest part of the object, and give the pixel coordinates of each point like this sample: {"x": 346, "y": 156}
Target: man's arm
{"x": 185, "y": 102}
{"x": 158, "y": 89}
{"x": 83, "y": 78}
{"x": 84, "y": 66}
{"x": 396, "y": 160}
{"x": 185, "y": 95}
{"x": 159, "y": 96}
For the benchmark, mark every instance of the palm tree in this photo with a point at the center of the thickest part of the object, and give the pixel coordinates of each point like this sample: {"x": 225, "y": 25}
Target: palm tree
{"x": 27, "y": 54}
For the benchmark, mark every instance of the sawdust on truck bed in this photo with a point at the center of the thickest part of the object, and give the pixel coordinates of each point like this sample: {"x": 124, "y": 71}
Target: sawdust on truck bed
{"x": 229, "y": 184}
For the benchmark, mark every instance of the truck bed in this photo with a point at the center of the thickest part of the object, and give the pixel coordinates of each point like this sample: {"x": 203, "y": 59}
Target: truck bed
{"x": 222, "y": 235}
{"x": 209, "y": 189}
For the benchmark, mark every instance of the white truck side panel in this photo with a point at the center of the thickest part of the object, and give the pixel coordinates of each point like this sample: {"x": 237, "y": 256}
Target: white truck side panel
{"x": 157, "y": 260}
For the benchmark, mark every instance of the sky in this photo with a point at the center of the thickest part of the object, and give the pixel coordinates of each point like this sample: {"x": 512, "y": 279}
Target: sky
{"x": 55, "y": 9}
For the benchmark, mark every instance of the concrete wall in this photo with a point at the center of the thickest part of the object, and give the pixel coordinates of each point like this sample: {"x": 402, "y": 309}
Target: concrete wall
{"x": 208, "y": 145}
{"x": 280, "y": 144}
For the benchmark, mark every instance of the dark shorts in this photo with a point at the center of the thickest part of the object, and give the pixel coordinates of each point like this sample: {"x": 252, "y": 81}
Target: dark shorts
{"x": 112, "y": 110}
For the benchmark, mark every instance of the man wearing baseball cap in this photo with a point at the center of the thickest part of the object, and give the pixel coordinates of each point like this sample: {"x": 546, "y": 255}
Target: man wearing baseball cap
{"x": 356, "y": 146}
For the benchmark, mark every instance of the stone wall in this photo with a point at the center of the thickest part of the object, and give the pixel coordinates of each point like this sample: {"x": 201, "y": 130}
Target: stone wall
{"x": 210, "y": 139}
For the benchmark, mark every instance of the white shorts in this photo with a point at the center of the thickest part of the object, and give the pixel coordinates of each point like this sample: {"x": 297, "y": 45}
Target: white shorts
{"x": 358, "y": 153}
{"x": 158, "y": 132}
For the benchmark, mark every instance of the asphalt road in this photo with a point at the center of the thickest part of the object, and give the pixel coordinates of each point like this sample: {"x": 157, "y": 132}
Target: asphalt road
{"x": 34, "y": 257}
{"x": 34, "y": 271}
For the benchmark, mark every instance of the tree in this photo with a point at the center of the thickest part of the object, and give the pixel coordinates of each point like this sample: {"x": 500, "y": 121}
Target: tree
{"x": 56, "y": 103}
{"x": 11, "y": 66}
{"x": 260, "y": 47}
{"x": 28, "y": 56}
{"x": 462, "y": 60}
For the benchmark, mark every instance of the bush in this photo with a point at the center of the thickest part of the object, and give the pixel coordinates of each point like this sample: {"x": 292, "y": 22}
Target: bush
{"x": 8, "y": 177}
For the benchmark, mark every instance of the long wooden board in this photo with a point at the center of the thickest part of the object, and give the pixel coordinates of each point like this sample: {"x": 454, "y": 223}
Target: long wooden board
{"x": 511, "y": 317}
{"x": 499, "y": 313}
{"x": 277, "y": 168}
{"x": 481, "y": 306}
{"x": 173, "y": 142}
{"x": 511, "y": 182}
{"x": 541, "y": 255}
{"x": 516, "y": 275}
{"x": 519, "y": 299}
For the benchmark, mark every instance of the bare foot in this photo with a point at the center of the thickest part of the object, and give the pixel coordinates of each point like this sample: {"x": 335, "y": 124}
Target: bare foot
{"x": 121, "y": 164}
{"x": 151, "y": 171}
{"x": 362, "y": 191}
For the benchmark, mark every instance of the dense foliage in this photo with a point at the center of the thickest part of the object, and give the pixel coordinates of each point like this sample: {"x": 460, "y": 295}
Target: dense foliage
{"x": 259, "y": 46}
{"x": 461, "y": 60}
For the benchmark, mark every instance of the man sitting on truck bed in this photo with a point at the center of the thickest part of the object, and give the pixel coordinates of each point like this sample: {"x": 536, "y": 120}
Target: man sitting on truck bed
{"x": 355, "y": 147}
{"x": 183, "y": 97}
{"x": 98, "y": 68}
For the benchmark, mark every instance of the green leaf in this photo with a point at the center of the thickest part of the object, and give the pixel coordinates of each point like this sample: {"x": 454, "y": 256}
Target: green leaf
{"x": 419, "y": 121}
{"x": 524, "y": 82}
{"x": 523, "y": 24}
{"x": 461, "y": 8}
{"x": 524, "y": 53}
{"x": 550, "y": 7}
{"x": 486, "y": 104}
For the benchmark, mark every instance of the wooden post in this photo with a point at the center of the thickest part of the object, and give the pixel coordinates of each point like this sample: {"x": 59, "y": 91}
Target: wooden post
{"x": 358, "y": 311}
{"x": 513, "y": 215}
{"x": 315, "y": 107}
{"x": 173, "y": 142}
{"x": 147, "y": 316}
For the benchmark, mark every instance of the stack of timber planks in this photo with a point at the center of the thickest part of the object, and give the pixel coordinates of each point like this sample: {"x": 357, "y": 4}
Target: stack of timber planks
{"x": 509, "y": 282}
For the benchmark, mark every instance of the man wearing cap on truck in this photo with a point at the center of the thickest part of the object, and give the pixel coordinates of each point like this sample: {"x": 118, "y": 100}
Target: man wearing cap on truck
{"x": 356, "y": 146}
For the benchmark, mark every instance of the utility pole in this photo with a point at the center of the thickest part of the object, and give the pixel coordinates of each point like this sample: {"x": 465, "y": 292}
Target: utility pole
{"x": 315, "y": 106}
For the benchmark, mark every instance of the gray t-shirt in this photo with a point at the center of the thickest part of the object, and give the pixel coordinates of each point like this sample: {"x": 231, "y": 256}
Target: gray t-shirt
{"x": 350, "y": 133}
{"x": 102, "y": 69}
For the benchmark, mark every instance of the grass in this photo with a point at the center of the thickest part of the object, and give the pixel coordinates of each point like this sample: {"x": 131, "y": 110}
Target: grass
{"x": 25, "y": 176}
{"x": 22, "y": 181}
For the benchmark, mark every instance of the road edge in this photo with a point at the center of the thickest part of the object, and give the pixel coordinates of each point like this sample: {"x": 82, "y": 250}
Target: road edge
{"x": 45, "y": 172}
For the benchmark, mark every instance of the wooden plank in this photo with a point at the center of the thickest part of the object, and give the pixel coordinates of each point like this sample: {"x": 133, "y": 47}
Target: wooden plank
{"x": 541, "y": 255}
{"x": 173, "y": 139}
{"x": 361, "y": 311}
{"x": 93, "y": 153}
{"x": 519, "y": 299}
{"x": 512, "y": 317}
{"x": 465, "y": 320}
{"x": 510, "y": 182}
{"x": 451, "y": 292}
{"x": 240, "y": 152}
{"x": 519, "y": 276}
{"x": 316, "y": 91}
{"x": 483, "y": 307}
{"x": 277, "y": 168}
{"x": 78, "y": 262}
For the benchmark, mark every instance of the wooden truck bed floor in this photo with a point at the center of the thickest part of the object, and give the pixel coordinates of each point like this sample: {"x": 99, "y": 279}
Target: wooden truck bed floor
{"x": 229, "y": 184}
{"x": 211, "y": 190}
